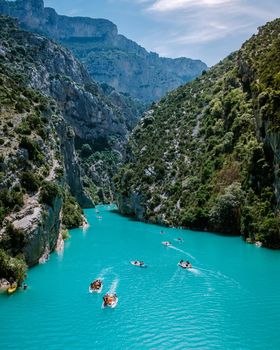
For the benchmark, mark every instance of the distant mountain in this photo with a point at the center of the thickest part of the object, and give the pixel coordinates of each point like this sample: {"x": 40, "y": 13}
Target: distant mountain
{"x": 207, "y": 156}
{"x": 109, "y": 57}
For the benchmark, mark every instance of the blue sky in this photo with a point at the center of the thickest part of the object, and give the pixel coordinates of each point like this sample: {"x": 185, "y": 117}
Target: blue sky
{"x": 204, "y": 29}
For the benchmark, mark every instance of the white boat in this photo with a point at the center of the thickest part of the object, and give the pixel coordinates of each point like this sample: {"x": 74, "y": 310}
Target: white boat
{"x": 113, "y": 303}
{"x": 92, "y": 289}
{"x": 138, "y": 263}
{"x": 167, "y": 244}
{"x": 184, "y": 265}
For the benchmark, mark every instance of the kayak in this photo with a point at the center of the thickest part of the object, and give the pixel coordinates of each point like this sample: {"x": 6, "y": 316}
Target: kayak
{"x": 185, "y": 266}
{"x": 167, "y": 244}
{"x": 11, "y": 290}
{"x": 112, "y": 304}
{"x": 95, "y": 290}
{"x": 138, "y": 263}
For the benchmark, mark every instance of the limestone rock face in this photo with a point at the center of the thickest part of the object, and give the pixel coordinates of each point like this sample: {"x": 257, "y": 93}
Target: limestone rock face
{"x": 41, "y": 225}
{"x": 109, "y": 57}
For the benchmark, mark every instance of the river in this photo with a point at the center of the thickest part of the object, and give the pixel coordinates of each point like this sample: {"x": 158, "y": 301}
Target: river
{"x": 229, "y": 300}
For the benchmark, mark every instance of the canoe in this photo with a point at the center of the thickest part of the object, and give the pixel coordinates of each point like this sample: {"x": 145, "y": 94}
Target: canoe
{"x": 11, "y": 290}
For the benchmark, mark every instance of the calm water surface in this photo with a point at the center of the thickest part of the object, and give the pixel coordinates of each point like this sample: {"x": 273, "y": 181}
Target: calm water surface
{"x": 230, "y": 300}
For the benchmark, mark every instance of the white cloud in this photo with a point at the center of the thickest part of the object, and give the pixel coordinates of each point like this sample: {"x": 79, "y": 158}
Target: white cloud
{"x": 214, "y": 26}
{"x": 171, "y": 5}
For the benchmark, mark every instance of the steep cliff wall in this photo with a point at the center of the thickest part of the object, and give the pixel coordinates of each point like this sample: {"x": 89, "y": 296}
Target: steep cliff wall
{"x": 31, "y": 168}
{"x": 207, "y": 155}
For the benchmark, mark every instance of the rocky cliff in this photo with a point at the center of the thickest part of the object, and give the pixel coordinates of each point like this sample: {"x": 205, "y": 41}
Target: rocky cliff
{"x": 207, "y": 155}
{"x": 50, "y": 108}
{"x": 32, "y": 175}
{"x": 109, "y": 57}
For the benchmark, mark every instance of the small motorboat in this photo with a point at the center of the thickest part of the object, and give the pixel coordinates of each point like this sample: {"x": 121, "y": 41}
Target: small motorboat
{"x": 110, "y": 300}
{"x": 12, "y": 289}
{"x": 138, "y": 263}
{"x": 185, "y": 264}
{"x": 96, "y": 286}
{"x": 167, "y": 244}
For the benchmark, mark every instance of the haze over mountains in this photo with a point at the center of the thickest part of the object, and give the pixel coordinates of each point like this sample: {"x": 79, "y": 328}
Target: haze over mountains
{"x": 109, "y": 57}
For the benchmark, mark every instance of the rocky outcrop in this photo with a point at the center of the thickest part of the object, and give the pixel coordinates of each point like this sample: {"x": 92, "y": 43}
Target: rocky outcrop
{"x": 41, "y": 225}
{"x": 46, "y": 21}
{"x": 73, "y": 171}
{"x": 109, "y": 57}
{"x": 131, "y": 205}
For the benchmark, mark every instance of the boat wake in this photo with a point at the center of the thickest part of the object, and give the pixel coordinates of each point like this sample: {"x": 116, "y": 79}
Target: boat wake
{"x": 221, "y": 276}
{"x": 183, "y": 252}
{"x": 114, "y": 286}
{"x": 104, "y": 272}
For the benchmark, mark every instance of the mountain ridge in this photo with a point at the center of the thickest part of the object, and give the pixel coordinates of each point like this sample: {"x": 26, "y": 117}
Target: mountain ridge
{"x": 110, "y": 58}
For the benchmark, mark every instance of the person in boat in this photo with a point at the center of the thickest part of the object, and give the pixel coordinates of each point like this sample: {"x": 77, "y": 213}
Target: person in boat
{"x": 95, "y": 284}
{"x": 109, "y": 299}
{"x": 141, "y": 263}
{"x": 181, "y": 261}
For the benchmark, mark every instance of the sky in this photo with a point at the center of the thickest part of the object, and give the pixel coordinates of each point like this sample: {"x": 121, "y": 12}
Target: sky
{"x": 201, "y": 29}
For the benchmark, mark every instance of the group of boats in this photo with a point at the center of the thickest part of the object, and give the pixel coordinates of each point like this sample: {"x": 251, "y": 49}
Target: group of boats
{"x": 109, "y": 299}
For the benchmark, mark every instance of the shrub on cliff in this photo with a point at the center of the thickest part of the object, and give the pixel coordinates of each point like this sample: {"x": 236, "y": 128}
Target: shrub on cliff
{"x": 30, "y": 181}
{"x": 13, "y": 240}
{"x": 226, "y": 212}
{"x": 12, "y": 268}
{"x": 34, "y": 150}
{"x": 49, "y": 192}
{"x": 10, "y": 199}
{"x": 72, "y": 214}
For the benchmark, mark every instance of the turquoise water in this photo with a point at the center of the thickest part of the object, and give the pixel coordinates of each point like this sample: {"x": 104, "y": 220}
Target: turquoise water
{"x": 230, "y": 300}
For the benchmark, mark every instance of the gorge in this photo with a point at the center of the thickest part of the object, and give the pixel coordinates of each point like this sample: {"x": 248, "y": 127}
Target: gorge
{"x": 142, "y": 173}
{"x": 205, "y": 156}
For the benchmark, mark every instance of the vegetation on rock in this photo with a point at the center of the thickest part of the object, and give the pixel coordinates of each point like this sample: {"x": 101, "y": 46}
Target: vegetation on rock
{"x": 72, "y": 214}
{"x": 207, "y": 155}
{"x": 31, "y": 167}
